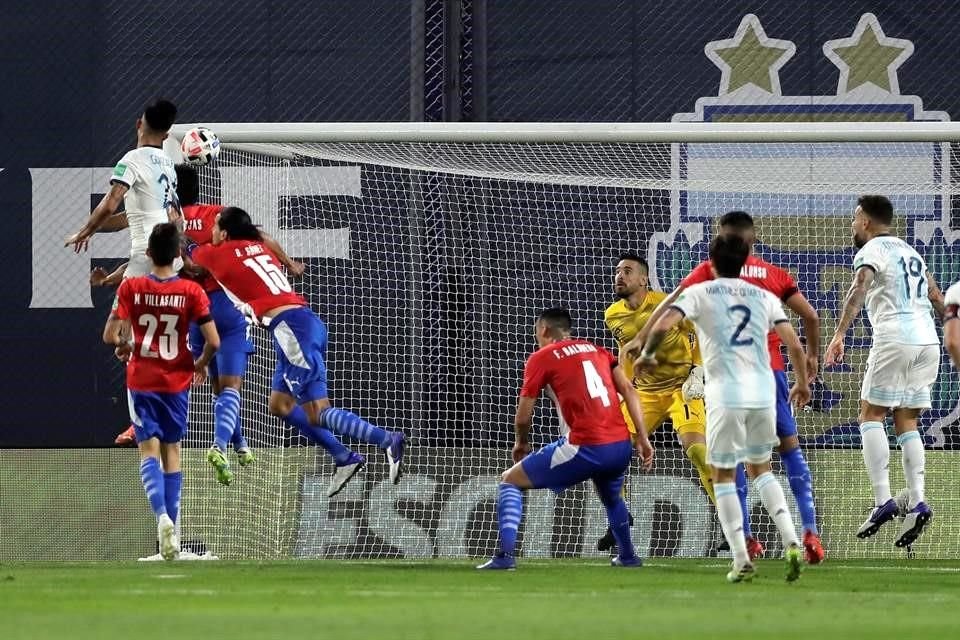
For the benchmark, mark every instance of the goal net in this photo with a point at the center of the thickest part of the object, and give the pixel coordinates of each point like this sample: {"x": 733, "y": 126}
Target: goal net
{"x": 429, "y": 262}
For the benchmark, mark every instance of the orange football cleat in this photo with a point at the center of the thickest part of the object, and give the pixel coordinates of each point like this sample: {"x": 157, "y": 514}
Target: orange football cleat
{"x": 754, "y": 548}
{"x": 126, "y": 439}
{"x": 813, "y": 551}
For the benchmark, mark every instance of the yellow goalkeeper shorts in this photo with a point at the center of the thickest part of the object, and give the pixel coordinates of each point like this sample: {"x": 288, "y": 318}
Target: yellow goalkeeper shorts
{"x": 688, "y": 416}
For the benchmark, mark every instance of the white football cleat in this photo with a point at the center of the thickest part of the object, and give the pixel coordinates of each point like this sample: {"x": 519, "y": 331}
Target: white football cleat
{"x": 167, "y": 535}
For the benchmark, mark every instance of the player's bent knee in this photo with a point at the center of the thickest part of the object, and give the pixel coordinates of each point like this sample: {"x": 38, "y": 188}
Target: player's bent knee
{"x": 789, "y": 443}
{"x": 516, "y": 476}
{"x": 281, "y": 404}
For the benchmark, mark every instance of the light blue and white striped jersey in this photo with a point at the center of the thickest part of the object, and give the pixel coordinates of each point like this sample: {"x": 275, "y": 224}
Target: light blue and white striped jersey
{"x": 897, "y": 303}
{"x": 732, "y": 318}
{"x": 152, "y": 181}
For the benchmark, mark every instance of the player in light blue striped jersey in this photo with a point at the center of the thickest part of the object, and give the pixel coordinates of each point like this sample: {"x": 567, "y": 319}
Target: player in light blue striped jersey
{"x": 900, "y": 295}
{"x": 732, "y": 318}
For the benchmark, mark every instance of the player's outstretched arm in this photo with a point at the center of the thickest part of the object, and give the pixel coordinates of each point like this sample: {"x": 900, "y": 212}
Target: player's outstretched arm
{"x": 629, "y": 394}
{"x": 633, "y": 348}
{"x": 293, "y": 267}
{"x": 799, "y": 304}
{"x": 935, "y": 295}
{"x": 211, "y": 342}
{"x": 852, "y": 304}
{"x": 800, "y": 393}
{"x": 100, "y": 278}
{"x": 658, "y": 329}
{"x": 107, "y": 207}
{"x": 522, "y": 422}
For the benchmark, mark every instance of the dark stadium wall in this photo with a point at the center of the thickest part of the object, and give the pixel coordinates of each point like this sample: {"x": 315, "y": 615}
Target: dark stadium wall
{"x": 76, "y": 77}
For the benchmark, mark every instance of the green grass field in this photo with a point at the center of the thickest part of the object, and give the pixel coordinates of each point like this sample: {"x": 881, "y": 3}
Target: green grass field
{"x": 542, "y": 599}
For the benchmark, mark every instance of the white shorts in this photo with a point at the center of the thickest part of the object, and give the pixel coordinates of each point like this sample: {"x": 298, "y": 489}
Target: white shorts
{"x": 900, "y": 375}
{"x": 140, "y": 265}
{"x": 740, "y": 435}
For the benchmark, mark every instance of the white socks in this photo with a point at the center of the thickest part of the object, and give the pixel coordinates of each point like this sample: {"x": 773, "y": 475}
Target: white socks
{"x": 771, "y": 494}
{"x": 911, "y": 446}
{"x": 876, "y": 457}
{"x": 731, "y": 520}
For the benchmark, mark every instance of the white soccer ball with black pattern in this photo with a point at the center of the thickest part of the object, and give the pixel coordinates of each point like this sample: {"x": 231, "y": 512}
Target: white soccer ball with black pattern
{"x": 200, "y": 146}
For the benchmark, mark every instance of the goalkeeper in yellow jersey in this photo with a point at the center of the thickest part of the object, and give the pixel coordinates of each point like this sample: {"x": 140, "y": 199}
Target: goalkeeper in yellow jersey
{"x": 675, "y": 388}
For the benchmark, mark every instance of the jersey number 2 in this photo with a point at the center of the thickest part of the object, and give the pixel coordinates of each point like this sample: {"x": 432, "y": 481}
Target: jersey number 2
{"x": 595, "y": 385}
{"x": 168, "y": 342}
{"x": 735, "y": 340}
{"x": 272, "y": 276}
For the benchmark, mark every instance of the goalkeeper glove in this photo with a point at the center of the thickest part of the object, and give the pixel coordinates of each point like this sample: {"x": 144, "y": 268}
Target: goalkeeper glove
{"x": 693, "y": 386}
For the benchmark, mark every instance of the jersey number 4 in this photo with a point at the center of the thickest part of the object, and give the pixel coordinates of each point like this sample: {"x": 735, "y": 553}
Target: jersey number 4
{"x": 168, "y": 342}
{"x": 596, "y": 387}
{"x": 270, "y": 273}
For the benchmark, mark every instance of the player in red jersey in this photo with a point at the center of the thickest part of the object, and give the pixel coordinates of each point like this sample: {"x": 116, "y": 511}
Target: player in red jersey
{"x": 158, "y": 308}
{"x": 780, "y": 283}
{"x": 585, "y": 380}
{"x": 250, "y": 273}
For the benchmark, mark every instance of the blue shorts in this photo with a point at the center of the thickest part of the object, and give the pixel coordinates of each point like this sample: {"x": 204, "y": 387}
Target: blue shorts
{"x": 786, "y": 423}
{"x": 300, "y": 340}
{"x": 561, "y": 465}
{"x": 234, "y": 330}
{"x": 158, "y": 415}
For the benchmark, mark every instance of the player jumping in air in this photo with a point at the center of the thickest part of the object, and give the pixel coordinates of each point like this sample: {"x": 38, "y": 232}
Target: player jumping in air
{"x": 733, "y": 318}
{"x": 778, "y": 282}
{"x": 892, "y": 278}
{"x": 158, "y": 309}
{"x": 145, "y": 182}
{"x": 246, "y": 267}
{"x": 585, "y": 381}
{"x": 675, "y": 388}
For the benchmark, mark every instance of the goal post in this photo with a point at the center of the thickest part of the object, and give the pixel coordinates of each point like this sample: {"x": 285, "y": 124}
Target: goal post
{"x": 430, "y": 249}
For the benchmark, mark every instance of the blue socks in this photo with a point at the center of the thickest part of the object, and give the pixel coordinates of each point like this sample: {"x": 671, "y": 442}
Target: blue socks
{"x": 350, "y": 424}
{"x": 798, "y": 473}
{"x": 226, "y": 417}
{"x": 318, "y": 435}
{"x": 153, "y": 485}
{"x": 171, "y": 488}
{"x": 742, "y": 494}
{"x": 509, "y": 514}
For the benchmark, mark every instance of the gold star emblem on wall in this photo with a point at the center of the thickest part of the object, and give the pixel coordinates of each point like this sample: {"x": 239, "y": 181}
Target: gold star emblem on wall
{"x": 750, "y": 60}
{"x": 868, "y": 57}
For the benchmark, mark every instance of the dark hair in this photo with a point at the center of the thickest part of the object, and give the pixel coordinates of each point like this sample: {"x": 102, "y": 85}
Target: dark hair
{"x": 878, "y": 208}
{"x": 557, "y": 319}
{"x": 160, "y": 114}
{"x": 728, "y": 253}
{"x": 164, "y": 244}
{"x": 188, "y": 184}
{"x": 237, "y": 224}
{"x": 634, "y": 257}
{"x": 737, "y": 221}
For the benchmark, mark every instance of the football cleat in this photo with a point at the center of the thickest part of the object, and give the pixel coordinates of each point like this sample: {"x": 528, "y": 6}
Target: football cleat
{"x": 167, "y": 535}
{"x": 914, "y": 522}
{"x": 127, "y": 438}
{"x": 619, "y": 561}
{"x": 754, "y": 548}
{"x": 744, "y": 573}
{"x": 343, "y": 473}
{"x": 395, "y": 456}
{"x": 500, "y": 562}
{"x": 879, "y": 516}
{"x": 607, "y": 542}
{"x": 220, "y": 464}
{"x": 245, "y": 457}
{"x": 793, "y": 561}
{"x": 813, "y": 551}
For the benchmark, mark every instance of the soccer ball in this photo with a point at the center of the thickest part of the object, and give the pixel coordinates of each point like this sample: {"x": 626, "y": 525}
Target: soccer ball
{"x": 200, "y": 146}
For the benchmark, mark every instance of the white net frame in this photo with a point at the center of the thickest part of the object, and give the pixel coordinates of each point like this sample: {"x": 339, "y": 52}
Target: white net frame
{"x": 429, "y": 249}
